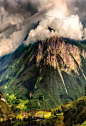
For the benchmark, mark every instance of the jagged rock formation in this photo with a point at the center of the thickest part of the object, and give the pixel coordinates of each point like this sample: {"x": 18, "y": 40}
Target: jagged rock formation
{"x": 61, "y": 55}
{"x": 58, "y": 51}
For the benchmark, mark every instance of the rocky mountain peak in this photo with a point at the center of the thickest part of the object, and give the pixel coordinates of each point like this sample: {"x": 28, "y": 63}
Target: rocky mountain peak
{"x": 58, "y": 52}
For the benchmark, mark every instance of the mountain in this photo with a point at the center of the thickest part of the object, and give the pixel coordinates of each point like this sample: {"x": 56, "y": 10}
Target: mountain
{"x": 47, "y": 73}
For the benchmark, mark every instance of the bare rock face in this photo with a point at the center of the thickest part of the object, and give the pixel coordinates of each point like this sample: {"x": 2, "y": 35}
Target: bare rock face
{"x": 40, "y": 54}
{"x": 84, "y": 53}
{"x": 60, "y": 52}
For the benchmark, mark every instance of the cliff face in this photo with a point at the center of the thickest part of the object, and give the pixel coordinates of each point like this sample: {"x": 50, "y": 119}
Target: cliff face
{"x": 60, "y": 52}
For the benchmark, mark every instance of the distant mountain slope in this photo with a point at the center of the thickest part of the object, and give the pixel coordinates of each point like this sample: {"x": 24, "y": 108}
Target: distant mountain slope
{"x": 5, "y": 110}
{"x": 76, "y": 113}
{"x": 48, "y": 73}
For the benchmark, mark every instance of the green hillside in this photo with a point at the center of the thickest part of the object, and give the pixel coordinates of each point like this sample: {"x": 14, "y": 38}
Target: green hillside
{"x": 75, "y": 114}
{"x": 21, "y": 79}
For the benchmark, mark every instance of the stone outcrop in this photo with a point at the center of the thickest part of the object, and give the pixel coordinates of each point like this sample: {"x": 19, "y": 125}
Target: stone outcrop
{"x": 40, "y": 54}
{"x": 58, "y": 51}
{"x": 84, "y": 53}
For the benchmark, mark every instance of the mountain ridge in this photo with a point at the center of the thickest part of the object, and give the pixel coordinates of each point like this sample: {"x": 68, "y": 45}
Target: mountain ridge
{"x": 45, "y": 73}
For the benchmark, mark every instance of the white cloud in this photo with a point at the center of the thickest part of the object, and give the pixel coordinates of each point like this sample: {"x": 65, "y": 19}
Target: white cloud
{"x": 57, "y": 19}
{"x": 65, "y": 17}
{"x": 69, "y": 27}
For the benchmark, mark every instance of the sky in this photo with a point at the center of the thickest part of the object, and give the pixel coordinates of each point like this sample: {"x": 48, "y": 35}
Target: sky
{"x": 33, "y": 17}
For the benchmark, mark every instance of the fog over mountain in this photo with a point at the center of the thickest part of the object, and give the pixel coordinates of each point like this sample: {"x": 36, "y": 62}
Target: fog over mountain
{"x": 33, "y": 17}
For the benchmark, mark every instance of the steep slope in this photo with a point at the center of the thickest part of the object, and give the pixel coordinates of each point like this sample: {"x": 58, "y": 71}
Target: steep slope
{"x": 76, "y": 113}
{"x": 17, "y": 73}
{"x": 66, "y": 80}
{"x": 5, "y": 111}
{"x": 48, "y": 73}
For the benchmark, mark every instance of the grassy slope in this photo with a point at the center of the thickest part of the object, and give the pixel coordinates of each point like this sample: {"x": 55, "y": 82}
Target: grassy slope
{"x": 19, "y": 77}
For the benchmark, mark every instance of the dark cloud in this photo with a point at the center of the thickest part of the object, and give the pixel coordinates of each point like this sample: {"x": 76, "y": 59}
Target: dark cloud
{"x": 78, "y": 7}
{"x": 5, "y": 27}
{"x": 24, "y": 8}
{"x": 12, "y": 36}
{"x": 17, "y": 19}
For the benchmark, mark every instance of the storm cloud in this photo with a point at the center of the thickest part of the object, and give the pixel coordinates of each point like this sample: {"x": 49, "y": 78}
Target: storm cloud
{"x": 14, "y": 28}
{"x": 18, "y": 18}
